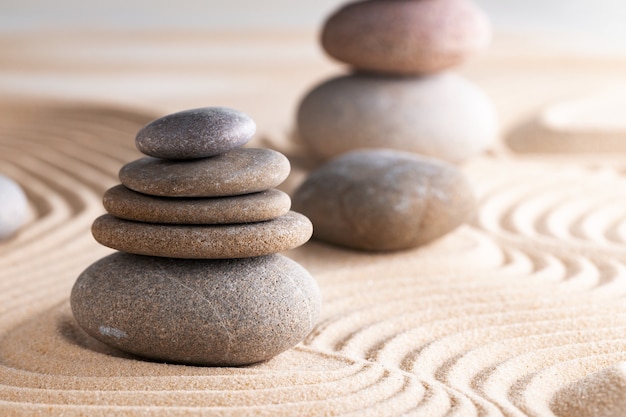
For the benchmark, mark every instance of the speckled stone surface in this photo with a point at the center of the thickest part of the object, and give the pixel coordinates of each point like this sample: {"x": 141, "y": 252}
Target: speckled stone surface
{"x": 121, "y": 202}
{"x": 443, "y": 116}
{"x": 202, "y": 312}
{"x": 382, "y": 200}
{"x": 206, "y": 241}
{"x": 406, "y": 36}
{"x": 240, "y": 171}
{"x": 13, "y": 207}
{"x": 196, "y": 133}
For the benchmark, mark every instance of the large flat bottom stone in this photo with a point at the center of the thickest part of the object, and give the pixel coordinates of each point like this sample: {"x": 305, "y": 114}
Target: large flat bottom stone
{"x": 203, "y": 312}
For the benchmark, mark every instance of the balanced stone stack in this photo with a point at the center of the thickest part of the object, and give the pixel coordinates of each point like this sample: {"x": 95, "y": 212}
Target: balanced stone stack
{"x": 401, "y": 95}
{"x": 199, "y": 225}
{"x": 394, "y": 128}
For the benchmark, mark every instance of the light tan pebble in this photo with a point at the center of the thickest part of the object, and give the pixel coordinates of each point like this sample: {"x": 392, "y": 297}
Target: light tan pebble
{"x": 442, "y": 116}
{"x": 14, "y": 209}
{"x": 600, "y": 394}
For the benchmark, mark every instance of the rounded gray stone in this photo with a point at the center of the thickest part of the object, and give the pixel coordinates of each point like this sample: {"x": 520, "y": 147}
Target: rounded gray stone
{"x": 203, "y": 241}
{"x": 200, "y": 312}
{"x": 126, "y": 204}
{"x": 383, "y": 200}
{"x": 442, "y": 116}
{"x": 196, "y": 133}
{"x": 13, "y": 207}
{"x": 406, "y": 36}
{"x": 240, "y": 171}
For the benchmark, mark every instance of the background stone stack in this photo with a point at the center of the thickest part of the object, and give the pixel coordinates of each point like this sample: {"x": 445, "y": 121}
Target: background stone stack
{"x": 210, "y": 288}
{"x": 398, "y": 122}
{"x": 401, "y": 95}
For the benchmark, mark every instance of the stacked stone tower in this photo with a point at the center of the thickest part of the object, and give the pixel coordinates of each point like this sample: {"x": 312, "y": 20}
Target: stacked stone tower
{"x": 401, "y": 94}
{"x": 198, "y": 224}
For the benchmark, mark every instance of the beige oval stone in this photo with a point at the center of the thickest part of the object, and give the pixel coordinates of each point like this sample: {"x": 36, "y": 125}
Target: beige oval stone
{"x": 406, "y": 36}
{"x": 381, "y": 200}
{"x": 203, "y": 241}
{"x": 240, "y": 171}
{"x": 200, "y": 312}
{"x": 126, "y": 204}
{"x": 442, "y": 116}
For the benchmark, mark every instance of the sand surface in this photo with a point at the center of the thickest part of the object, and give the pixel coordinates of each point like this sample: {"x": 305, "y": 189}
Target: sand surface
{"x": 500, "y": 318}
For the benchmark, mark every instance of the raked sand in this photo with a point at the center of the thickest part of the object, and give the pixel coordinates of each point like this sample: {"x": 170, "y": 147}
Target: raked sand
{"x": 500, "y": 318}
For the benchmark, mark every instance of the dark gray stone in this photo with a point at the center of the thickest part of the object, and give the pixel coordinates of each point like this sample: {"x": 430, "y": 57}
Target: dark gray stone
{"x": 196, "y": 133}
{"x": 382, "y": 200}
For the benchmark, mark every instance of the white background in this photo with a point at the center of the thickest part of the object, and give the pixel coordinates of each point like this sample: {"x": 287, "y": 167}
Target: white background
{"x": 69, "y": 65}
{"x": 606, "y": 18}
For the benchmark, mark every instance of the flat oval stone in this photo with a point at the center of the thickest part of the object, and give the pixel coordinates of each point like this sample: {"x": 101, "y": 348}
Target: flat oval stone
{"x": 443, "y": 116}
{"x": 206, "y": 241}
{"x": 382, "y": 200}
{"x": 124, "y": 203}
{"x": 240, "y": 171}
{"x": 200, "y": 312}
{"x": 406, "y": 36}
{"x": 196, "y": 133}
{"x": 13, "y": 207}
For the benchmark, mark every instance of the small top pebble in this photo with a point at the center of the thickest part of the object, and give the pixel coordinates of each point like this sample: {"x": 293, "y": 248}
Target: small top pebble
{"x": 406, "y": 36}
{"x": 196, "y": 133}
